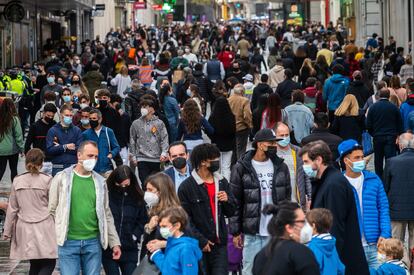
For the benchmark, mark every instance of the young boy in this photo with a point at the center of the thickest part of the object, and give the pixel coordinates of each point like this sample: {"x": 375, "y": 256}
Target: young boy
{"x": 390, "y": 253}
{"x": 323, "y": 243}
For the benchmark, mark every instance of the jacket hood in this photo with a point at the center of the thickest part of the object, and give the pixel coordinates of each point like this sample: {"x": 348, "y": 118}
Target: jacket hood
{"x": 197, "y": 73}
{"x": 410, "y": 100}
{"x": 310, "y": 91}
{"x": 325, "y": 244}
{"x": 277, "y": 69}
{"x": 356, "y": 83}
{"x": 135, "y": 95}
{"x": 338, "y": 78}
{"x": 187, "y": 241}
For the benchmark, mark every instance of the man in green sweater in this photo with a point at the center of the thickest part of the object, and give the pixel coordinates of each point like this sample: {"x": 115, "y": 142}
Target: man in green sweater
{"x": 84, "y": 225}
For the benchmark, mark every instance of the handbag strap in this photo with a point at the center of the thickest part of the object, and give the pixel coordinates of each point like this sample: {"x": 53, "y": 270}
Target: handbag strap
{"x": 107, "y": 138}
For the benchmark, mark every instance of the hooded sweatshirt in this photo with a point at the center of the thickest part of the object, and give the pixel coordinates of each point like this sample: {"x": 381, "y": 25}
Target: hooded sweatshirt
{"x": 181, "y": 257}
{"x": 406, "y": 108}
{"x": 324, "y": 248}
{"x": 248, "y": 90}
{"x": 393, "y": 267}
{"x": 334, "y": 90}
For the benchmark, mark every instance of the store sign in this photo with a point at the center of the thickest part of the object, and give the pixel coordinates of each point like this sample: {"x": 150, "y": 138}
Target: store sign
{"x": 14, "y": 12}
{"x": 100, "y": 7}
{"x": 157, "y": 7}
{"x": 140, "y": 5}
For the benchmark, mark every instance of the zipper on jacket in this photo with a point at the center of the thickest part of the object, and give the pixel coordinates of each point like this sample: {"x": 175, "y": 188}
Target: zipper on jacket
{"x": 122, "y": 214}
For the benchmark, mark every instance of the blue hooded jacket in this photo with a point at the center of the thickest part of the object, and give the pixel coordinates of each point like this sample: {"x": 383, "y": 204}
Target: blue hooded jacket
{"x": 107, "y": 143}
{"x": 334, "y": 90}
{"x": 375, "y": 221}
{"x": 181, "y": 257}
{"x": 324, "y": 249}
{"x": 392, "y": 268}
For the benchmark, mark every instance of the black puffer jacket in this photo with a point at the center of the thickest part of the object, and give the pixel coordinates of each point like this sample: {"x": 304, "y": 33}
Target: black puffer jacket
{"x": 245, "y": 186}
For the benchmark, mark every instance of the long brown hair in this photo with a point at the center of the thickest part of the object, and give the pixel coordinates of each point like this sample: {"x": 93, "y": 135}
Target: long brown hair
{"x": 191, "y": 116}
{"x": 167, "y": 196}
{"x": 7, "y": 114}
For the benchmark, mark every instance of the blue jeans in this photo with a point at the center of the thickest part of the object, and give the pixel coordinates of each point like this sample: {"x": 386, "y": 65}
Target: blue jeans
{"x": 252, "y": 245}
{"x": 371, "y": 252}
{"x": 85, "y": 255}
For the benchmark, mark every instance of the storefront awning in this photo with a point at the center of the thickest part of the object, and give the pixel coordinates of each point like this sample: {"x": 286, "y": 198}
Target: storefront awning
{"x": 62, "y": 5}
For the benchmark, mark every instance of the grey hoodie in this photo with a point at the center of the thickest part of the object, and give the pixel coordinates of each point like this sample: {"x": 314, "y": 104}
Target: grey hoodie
{"x": 149, "y": 139}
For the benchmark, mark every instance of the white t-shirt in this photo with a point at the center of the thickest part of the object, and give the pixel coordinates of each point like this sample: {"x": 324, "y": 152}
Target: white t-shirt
{"x": 264, "y": 171}
{"x": 358, "y": 183}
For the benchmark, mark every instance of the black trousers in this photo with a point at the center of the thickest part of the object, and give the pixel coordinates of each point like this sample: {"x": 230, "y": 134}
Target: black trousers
{"x": 145, "y": 169}
{"x": 215, "y": 262}
{"x": 13, "y": 161}
{"x": 42, "y": 266}
{"x": 384, "y": 147}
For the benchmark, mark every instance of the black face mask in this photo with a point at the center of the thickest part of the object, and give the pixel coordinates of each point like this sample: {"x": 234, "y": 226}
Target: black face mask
{"x": 75, "y": 82}
{"x": 271, "y": 151}
{"x": 179, "y": 163}
{"x": 103, "y": 103}
{"x": 214, "y": 166}
{"x": 49, "y": 120}
{"x": 93, "y": 123}
{"x": 236, "y": 69}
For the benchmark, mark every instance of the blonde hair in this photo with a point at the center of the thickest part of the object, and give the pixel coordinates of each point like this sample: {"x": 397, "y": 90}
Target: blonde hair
{"x": 348, "y": 107}
{"x": 392, "y": 248}
{"x": 308, "y": 63}
{"x": 124, "y": 70}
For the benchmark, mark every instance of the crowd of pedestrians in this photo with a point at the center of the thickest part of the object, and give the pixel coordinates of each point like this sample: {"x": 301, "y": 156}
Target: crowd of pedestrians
{"x": 209, "y": 149}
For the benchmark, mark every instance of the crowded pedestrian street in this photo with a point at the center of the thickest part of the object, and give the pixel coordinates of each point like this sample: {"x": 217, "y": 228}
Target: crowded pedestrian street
{"x": 194, "y": 137}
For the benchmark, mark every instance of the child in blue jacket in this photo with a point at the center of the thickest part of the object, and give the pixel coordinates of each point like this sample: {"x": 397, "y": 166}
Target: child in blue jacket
{"x": 323, "y": 244}
{"x": 390, "y": 253}
{"x": 182, "y": 253}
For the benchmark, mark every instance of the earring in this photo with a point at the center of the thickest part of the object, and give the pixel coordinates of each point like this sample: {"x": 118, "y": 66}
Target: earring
{"x": 291, "y": 236}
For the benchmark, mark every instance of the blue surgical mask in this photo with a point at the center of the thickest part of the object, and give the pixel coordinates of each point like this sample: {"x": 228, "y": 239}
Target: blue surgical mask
{"x": 51, "y": 79}
{"x": 284, "y": 142}
{"x": 189, "y": 93}
{"x": 84, "y": 121}
{"x": 66, "y": 98}
{"x": 358, "y": 166}
{"x": 67, "y": 120}
{"x": 307, "y": 168}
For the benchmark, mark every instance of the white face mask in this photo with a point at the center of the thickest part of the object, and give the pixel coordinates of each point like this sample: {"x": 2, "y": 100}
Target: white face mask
{"x": 306, "y": 233}
{"x": 83, "y": 105}
{"x": 144, "y": 112}
{"x": 89, "y": 164}
{"x": 151, "y": 199}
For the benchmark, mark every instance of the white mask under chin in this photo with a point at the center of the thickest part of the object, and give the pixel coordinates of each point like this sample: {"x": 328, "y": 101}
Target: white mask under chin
{"x": 89, "y": 164}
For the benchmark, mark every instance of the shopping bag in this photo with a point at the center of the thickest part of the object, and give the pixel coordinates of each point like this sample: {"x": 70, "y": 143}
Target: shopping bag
{"x": 145, "y": 267}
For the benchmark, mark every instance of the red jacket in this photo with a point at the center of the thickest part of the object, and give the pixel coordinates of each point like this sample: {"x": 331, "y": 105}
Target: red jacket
{"x": 226, "y": 58}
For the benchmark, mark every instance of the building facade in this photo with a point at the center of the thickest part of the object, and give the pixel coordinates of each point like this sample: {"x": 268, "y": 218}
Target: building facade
{"x": 43, "y": 19}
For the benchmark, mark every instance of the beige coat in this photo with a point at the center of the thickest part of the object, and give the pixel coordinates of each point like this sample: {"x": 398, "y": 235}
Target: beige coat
{"x": 276, "y": 76}
{"x": 240, "y": 106}
{"x": 59, "y": 207}
{"x": 243, "y": 46}
{"x": 28, "y": 221}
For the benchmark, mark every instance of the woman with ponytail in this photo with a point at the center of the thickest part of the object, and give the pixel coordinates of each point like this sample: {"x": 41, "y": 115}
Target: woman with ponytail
{"x": 286, "y": 253}
{"x": 28, "y": 223}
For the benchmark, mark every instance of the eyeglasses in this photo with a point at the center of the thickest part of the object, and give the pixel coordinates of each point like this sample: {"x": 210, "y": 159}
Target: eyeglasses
{"x": 299, "y": 221}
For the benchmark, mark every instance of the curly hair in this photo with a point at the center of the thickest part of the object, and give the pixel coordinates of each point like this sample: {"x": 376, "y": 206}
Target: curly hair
{"x": 191, "y": 116}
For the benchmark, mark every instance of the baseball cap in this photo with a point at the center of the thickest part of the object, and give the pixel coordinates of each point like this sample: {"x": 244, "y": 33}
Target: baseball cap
{"x": 347, "y": 146}
{"x": 248, "y": 77}
{"x": 265, "y": 135}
